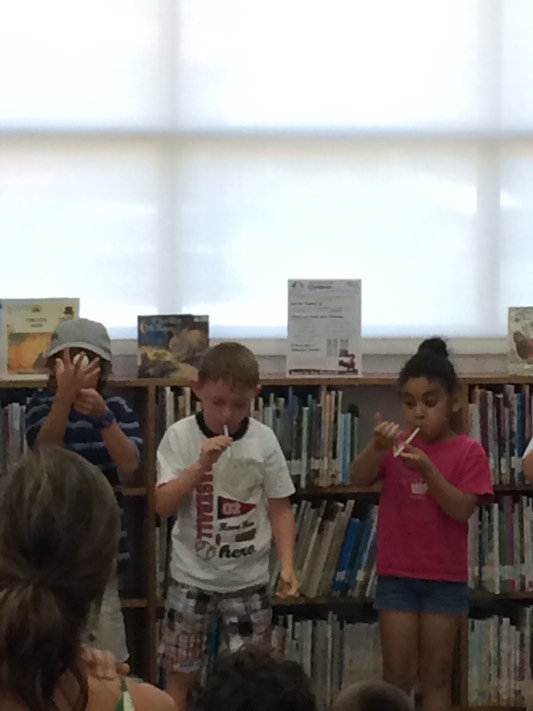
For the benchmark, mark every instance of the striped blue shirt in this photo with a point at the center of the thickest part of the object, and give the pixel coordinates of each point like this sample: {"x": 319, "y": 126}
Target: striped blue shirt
{"x": 82, "y": 437}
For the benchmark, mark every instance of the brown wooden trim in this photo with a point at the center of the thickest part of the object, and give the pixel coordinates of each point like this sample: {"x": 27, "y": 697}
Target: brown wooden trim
{"x": 150, "y": 451}
{"x": 133, "y": 491}
{"x": 133, "y": 602}
{"x": 283, "y": 380}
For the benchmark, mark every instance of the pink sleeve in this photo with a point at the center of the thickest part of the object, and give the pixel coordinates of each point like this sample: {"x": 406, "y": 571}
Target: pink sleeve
{"x": 474, "y": 476}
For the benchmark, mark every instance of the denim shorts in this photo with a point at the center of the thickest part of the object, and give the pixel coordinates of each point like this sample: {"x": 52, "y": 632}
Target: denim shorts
{"x": 441, "y": 597}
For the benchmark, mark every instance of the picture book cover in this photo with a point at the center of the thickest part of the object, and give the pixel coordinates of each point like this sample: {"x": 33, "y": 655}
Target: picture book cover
{"x": 26, "y": 328}
{"x": 520, "y": 340}
{"x": 171, "y": 345}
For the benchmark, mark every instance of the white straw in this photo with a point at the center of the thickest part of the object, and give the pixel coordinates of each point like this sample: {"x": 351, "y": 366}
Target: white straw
{"x": 226, "y": 432}
{"x": 398, "y": 450}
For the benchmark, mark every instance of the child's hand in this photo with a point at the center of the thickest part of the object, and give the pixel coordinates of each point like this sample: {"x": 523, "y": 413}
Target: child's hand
{"x": 89, "y": 402}
{"x": 71, "y": 376}
{"x": 102, "y": 665}
{"x": 212, "y": 449}
{"x": 288, "y": 584}
{"x": 415, "y": 458}
{"x": 385, "y": 433}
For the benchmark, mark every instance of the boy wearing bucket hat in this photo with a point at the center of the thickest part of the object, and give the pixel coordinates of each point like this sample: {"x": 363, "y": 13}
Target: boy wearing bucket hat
{"x": 74, "y": 412}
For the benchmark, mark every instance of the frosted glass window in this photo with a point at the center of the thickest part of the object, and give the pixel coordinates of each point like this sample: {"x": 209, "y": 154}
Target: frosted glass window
{"x": 517, "y": 60}
{"x": 81, "y": 223}
{"x": 337, "y": 64}
{"x": 68, "y": 64}
{"x": 177, "y": 155}
{"x": 516, "y": 270}
{"x": 255, "y": 221}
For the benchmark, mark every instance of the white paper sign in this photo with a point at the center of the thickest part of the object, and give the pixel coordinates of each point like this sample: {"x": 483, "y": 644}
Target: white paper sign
{"x": 324, "y": 327}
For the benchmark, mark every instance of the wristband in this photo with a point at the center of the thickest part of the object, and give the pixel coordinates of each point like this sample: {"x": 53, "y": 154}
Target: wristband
{"x": 104, "y": 420}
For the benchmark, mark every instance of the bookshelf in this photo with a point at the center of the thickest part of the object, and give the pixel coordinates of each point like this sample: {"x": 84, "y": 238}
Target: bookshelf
{"x": 142, "y": 597}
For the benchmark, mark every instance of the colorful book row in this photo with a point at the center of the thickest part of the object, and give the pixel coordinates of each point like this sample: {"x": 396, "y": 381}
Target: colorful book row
{"x": 318, "y": 437}
{"x": 501, "y": 420}
{"x": 500, "y": 546}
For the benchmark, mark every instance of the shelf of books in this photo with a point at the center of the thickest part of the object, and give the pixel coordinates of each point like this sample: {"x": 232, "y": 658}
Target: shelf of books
{"x": 332, "y": 627}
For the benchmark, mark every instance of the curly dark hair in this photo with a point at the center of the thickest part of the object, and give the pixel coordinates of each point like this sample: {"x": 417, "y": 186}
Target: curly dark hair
{"x": 253, "y": 679}
{"x": 431, "y": 361}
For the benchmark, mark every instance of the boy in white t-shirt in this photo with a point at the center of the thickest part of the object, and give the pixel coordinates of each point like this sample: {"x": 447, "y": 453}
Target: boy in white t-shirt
{"x": 225, "y": 476}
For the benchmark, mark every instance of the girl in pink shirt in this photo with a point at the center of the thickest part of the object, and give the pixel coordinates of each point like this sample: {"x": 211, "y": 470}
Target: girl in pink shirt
{"x": 431, "y": 486}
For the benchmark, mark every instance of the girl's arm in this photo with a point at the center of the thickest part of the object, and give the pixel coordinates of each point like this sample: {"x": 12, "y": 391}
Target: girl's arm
{"x": 455, "y": 503}
{"x": 365, "y": 469}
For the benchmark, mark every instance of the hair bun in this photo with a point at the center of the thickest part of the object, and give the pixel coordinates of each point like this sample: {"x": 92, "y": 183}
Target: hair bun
{"x": 435, "y": 345}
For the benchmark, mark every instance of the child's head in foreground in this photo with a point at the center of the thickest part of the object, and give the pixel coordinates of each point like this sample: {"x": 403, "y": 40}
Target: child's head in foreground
{"x": 253, "y": 679}
{"x": 59, "y": 526}
{"x": 372, "y": 696}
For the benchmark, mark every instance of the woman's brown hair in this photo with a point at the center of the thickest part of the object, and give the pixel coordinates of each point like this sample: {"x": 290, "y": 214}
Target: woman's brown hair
{"x": 59, "y": 526}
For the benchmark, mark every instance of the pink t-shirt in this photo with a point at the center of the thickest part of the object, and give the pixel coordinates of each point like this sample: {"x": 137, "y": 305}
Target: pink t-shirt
{"x": 416, "y": 539}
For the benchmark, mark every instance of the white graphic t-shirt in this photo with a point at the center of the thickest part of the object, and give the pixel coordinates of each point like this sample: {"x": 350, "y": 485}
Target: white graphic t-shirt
{"x": 222, "y": 537}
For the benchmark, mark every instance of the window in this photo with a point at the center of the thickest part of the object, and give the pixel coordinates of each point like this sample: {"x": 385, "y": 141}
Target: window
{"x": 185, "y": 156}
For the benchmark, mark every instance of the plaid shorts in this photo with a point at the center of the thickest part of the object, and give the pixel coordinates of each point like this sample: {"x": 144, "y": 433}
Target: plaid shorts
{"x": 245, "y": 616}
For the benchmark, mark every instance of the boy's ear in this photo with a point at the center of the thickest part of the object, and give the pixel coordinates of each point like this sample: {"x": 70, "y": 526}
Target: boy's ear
{"x": 258, "y": 390}
{"x": 196, "y": 387}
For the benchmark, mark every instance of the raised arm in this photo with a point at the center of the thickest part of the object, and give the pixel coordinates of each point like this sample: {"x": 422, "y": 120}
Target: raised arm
{"x": 70, "y": 378}
{"x": 364, "y": 469}
{"x": 176, "y": 484}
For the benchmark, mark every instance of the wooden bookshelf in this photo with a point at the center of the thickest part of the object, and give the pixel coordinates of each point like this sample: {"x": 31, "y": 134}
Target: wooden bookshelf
{"x": 134, "y": 603}
{"x": 334, "y": 602}
{"x": 133, "y": 491}
{"x": 340, "y": 491}
{"x": 320, "y": 602}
